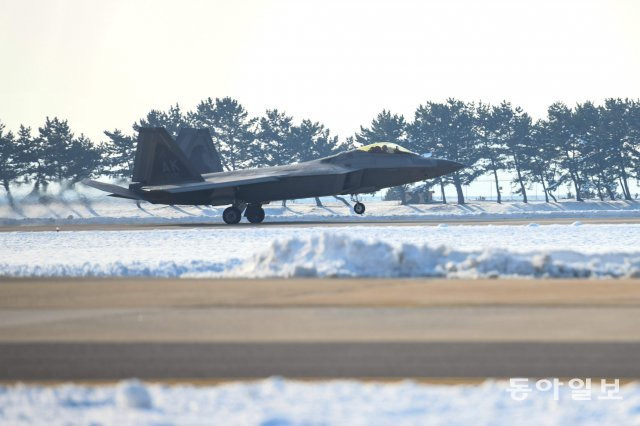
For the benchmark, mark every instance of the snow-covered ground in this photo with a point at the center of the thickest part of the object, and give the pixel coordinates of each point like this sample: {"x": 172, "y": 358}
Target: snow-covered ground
{"x": 354, "y": 250}
{"x": 576, "y": 250}
{"x": 277, "y": 401}
{"x": 102, "y": 209}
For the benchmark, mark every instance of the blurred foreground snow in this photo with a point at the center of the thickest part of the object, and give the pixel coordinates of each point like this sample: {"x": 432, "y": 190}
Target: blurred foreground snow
{"x": 277, "y": 401}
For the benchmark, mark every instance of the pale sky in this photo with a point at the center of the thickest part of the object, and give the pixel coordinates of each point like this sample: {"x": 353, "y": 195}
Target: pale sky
{"x": 104, "y": 64}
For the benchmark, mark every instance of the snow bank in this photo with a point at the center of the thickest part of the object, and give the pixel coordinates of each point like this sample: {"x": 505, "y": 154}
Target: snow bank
{"x": 163, "y": 269}
{"x": 412, "y": 251}
{"x": 278, "y": 401}
{"x": 332, "y": 255}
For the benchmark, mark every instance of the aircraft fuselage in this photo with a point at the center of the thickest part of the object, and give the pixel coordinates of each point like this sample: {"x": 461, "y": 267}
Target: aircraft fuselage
{"x": 346, "y": 173}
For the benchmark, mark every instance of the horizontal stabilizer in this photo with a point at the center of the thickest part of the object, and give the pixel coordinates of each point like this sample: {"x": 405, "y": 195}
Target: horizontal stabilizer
{"x": 115, "y": 190}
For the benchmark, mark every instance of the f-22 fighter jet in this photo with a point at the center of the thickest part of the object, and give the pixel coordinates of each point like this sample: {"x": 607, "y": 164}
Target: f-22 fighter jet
{"x": 164, "y": 174}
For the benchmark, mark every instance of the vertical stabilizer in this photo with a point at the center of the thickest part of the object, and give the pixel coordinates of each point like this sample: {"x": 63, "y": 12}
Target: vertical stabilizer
{"x": 198, "y": 147}
{"x": 159, "y": 160}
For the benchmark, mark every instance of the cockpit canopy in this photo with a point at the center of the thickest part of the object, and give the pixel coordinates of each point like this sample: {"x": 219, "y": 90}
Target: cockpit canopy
{"x": 385, "y": 148}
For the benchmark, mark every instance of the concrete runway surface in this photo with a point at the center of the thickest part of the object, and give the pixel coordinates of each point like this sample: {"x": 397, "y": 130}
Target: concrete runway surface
{"x": 104, "y": 329}
{"x": 329, "y": 223}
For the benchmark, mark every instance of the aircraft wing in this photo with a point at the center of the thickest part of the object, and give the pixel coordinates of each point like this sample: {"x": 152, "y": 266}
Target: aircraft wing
{"x": 214, "y": 181}
{"x": 224, "y": 182}
{"x": 244, "y": 177}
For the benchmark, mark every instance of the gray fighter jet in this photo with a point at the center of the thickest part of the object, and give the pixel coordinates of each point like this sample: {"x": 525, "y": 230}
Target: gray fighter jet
{"x": 165, "y": 173}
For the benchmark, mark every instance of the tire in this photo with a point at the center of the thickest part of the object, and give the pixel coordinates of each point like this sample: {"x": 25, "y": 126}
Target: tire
{"x": 231, "y": 215}
{"x": 255, "y": 214}
{"x": 359, "y": 208}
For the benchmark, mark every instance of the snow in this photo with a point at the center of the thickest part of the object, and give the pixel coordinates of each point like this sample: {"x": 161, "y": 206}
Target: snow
{"x": 132, "y": 394}
{"x": 412, "y": 250}
{"x": 278, "y": 401}
{"x": 106, "y": 210}
{"x": 331, "y": 255}
{"x": 355, "y": 250}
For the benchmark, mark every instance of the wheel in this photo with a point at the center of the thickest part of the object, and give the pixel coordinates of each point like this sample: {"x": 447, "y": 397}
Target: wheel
{"x": 231, "y": 215}
{"x": 359, "y": 208}
{"x": 254, "y": 214}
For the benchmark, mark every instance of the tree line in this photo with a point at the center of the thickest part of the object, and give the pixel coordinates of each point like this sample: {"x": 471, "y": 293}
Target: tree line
{"x": 593, "y": 148}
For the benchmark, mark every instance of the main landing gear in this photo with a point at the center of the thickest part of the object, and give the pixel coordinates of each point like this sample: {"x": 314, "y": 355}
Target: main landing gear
{"x": 254, "y": 214}
{"x": 231, "y": 215}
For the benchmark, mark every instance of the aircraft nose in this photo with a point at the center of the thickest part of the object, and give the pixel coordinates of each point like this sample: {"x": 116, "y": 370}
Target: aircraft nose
{"x": 448, "y": 166}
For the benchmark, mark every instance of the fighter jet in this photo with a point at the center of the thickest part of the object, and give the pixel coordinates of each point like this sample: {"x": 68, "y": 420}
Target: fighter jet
{"x": 164, "y": 174}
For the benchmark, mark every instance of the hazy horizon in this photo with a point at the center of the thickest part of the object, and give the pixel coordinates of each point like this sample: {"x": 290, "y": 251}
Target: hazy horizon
{"x": 104, "y": 65}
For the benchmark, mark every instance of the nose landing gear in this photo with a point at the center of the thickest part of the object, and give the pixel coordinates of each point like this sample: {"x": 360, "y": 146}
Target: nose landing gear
{"x": 358, "y": 207}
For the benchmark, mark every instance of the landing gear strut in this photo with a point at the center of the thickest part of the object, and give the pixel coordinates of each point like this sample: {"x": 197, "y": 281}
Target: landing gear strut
{"x": 231, "y": 215}
{"x": 254, "y": 213}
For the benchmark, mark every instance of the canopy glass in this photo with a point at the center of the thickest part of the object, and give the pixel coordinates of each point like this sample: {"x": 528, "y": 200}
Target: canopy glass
{"x": 385, "y": 148}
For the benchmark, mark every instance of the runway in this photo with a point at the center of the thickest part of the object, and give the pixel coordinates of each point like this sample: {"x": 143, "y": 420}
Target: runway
{"x": 222, "y": 361}
{"x": 328, "y": 223}
{"x": 92, "y": 329}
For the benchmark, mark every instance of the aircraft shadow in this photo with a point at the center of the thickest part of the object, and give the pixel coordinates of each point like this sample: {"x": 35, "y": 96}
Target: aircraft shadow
{"x": 143, "y": 209}
{"x": 182, "y": 210}
{"x": 414, "y": 208}
{"x": 87, "y": 205}
{"x": 333, "y": 212}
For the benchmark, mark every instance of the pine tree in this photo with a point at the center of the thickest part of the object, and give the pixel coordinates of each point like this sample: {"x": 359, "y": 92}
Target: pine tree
{"x": 119, "y": 154}
{"x": 597, "y": 158}
{"x": 32, "y": 157}
{"x": 447, "y": 130}
{"x": 491, "y": 147}
{"x": 172, "y": 120}
{"x": 617, "y": 130}
{"x": 231, "y": 130}
{"x": 633, "y": 142}
{"x": 515, "y": 132}
{"x": 560, "y": 124}
{"x": 386, "y": 127}
{"x": 542, "y": 166}
{"x": 56, "y": 139}
{"x": 85, "y": 160}
{"x": 312, "y": 140}
{"x": 276, "y": 145}
{"x": 10, "y": 168}
{"x": 349, "y": 144}
{"x": 61, "y": 156}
